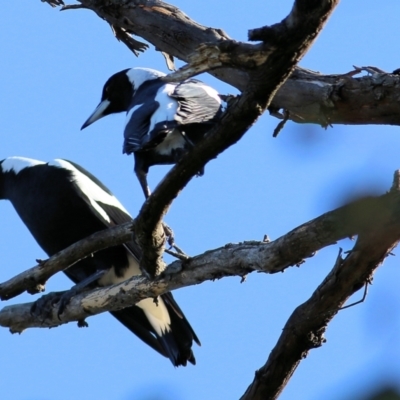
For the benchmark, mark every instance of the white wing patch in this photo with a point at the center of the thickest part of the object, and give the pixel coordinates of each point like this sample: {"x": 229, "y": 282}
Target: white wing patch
{"x": 92, "y": 191}
{"x": 17, "y": 164}
{"x": 168, "y": 106}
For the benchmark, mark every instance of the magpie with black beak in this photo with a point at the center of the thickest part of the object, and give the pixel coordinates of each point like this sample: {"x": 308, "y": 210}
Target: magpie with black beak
{"x": 163, "y": 119}
{"x": 62, "y": 203}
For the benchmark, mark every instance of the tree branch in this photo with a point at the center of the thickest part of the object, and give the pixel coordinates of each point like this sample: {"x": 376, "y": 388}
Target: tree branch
{"x": 306, "y": 326}
{"x": 34, "y": 279}
{"x": 277, "y": 65}
{"x": 229, "y": 260}
{"x": 310, "y": 97}
{"x": 307, "y": 96}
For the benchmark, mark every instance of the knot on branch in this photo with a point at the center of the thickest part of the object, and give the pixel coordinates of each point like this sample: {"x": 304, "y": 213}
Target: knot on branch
{"x": 316, "y": 339}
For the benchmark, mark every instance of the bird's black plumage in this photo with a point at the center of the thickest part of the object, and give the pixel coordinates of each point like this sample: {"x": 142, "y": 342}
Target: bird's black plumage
{"x": 61, "y": 203}
{"x": 163, "y": 119}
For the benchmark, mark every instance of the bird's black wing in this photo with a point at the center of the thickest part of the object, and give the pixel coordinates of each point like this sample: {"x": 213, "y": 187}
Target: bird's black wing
{"x": 177, "y": 342}
{"x": 133, "y": 317}
{"x": 136, "y": 133}
{"x": 198, "y": 103}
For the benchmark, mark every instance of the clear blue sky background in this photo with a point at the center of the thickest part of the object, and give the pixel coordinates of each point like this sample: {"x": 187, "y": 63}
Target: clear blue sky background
{"x": 53, "y": 66}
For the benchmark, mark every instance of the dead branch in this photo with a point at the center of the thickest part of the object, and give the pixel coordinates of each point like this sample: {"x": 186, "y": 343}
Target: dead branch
{"x": 308, "y": 96}
{"x": 240, "y": 116}
{"x": 306, "y": 326}
{"x": 230, "y": 260}
{"x": 34, "y": 279}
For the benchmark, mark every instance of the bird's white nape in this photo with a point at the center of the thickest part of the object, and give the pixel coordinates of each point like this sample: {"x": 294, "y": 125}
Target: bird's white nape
{"x": 137, "y": 76}
{"x": 17, "y": 164}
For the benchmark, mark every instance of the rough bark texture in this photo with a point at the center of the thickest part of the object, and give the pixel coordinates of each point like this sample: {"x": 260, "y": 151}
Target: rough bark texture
{"x": 308, "y": 96}
{"x": 271, "y": 257}
{"x": 305, "y": 328}
{"x": 241, "y": 114}
{"x": 258, "y": 70}
{"x": 33, "y": 280}
{"x": 230, "y": 260}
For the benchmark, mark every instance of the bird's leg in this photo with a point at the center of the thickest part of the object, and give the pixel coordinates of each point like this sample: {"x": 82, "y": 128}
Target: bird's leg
{"x": 45, "y": 303}
{"x": 141, "y": 173}
{"x": 142, "y": 178}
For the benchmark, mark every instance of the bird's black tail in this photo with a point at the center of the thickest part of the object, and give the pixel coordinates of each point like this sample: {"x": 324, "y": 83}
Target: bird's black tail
{"x": 176, "y": 344}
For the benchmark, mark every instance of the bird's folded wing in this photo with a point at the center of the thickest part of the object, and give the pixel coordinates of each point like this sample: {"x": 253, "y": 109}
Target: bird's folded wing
{"x": 198, "y": 103}
{"x": 137, "y": 126}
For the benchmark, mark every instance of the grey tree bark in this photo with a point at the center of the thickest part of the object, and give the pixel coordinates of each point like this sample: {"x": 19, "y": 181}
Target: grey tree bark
{"x": 268, "y": 78}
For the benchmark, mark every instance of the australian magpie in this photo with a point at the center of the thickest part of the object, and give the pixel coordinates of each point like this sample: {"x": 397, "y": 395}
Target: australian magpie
{"x": 163, "y": 119}
{"x": 61, "y": 203}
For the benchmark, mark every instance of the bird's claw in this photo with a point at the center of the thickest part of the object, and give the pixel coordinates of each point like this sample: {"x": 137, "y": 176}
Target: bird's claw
{"x": 45, "y": 304}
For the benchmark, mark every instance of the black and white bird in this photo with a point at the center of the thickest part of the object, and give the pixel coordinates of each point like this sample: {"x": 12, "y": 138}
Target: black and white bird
{"x": 163, "y": 119}
{"x": 61, "y": 203}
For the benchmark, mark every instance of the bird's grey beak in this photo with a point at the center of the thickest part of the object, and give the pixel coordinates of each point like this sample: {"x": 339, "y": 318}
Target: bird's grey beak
{"x": 97, "y": 114}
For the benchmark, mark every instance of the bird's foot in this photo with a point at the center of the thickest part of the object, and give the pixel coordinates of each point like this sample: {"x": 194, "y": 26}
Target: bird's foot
{"x": 44, "y": 306}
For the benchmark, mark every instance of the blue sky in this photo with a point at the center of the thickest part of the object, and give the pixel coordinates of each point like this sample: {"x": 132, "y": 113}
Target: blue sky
{"x": 52, "y": 71}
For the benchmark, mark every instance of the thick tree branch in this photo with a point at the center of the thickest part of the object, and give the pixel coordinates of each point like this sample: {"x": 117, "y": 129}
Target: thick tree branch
{"x": 232, "y": 259}
{"x": 34, "y": 279}
{"x": 307, "y": 96}
{"x": 305, "y": 328}
{"x": 290, "y": 249}
{"x": 310, "y": 97}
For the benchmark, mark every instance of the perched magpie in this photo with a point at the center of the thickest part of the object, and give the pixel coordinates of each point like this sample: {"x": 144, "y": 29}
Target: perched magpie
{"x": 61, "y": 203}
{"x": 163, "y": 119}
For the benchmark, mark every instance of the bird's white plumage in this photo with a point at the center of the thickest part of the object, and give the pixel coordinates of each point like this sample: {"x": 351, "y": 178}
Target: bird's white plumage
{"x": 92, "y": 191}
{"x": 137, "y": 76}
{"x": 167, "y": 108}
{"x": 156, "y": 313}
{"x": 110, "y": 278}
{"x": 131, "y": 111}
{"x": 173, "y": 140}
{"x": 17, "y": 164}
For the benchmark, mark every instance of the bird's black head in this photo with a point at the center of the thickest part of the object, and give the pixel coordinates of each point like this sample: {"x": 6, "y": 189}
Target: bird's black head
{"x": 119, "y": 90}
{"x": 116, "y": 96}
